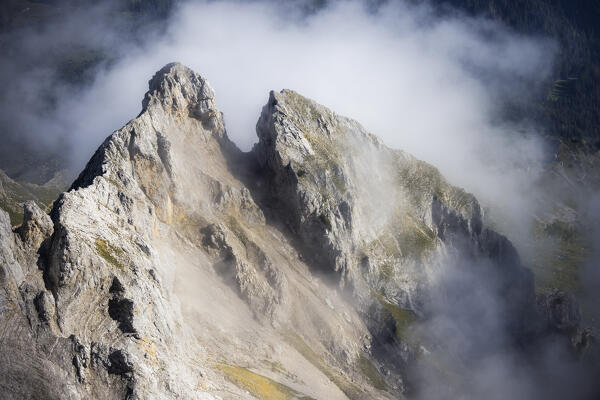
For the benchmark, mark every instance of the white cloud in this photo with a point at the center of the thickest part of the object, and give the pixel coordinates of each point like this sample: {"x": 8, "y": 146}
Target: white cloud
{"x": 431, "y": 86}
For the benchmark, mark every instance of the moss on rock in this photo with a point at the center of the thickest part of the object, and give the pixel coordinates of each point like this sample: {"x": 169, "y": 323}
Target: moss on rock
{"x": 110, "y": 253}
{"x": 258, "y": 385}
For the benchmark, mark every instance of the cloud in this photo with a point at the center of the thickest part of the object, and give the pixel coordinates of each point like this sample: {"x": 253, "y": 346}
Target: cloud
{"x": 471, "y": 353}
{"x": 590, "y": 273}
{"x": 433, "y": 86}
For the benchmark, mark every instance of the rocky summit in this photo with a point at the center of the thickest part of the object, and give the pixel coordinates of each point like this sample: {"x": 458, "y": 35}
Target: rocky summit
{"x": 179, "y": 267}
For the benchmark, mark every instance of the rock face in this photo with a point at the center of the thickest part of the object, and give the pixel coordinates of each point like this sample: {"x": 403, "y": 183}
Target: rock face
{"x": 383, "y": 219}
{"x": 177, "y": 266}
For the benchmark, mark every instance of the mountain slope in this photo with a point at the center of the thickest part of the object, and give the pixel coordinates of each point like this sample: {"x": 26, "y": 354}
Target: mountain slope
{"x": 177, "y": 266}
{"x": 13, "y": 194}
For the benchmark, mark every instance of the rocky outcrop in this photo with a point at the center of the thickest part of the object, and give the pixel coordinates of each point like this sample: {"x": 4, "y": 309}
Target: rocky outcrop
{"x": 177, "y": 266}
{"x": 36, "y": 227}
{"x": 561, "y": 314}
{"x": 386, "y": 221}
{"x": 14, "y": 194}
{"x": 35, "y": 362}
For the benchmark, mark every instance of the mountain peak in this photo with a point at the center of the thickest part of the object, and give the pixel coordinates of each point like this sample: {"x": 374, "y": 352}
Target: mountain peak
{"x": 178, "y": 89}
{"x": 176, "y": 260}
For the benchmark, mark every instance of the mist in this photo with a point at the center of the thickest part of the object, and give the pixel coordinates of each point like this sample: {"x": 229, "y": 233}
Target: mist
{"x": 470, "y": 351}
{"x": 433, "y": 85}
{"x": 590, "y": 273}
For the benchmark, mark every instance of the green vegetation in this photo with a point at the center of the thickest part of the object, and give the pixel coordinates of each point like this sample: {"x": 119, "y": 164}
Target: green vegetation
{"x": 15, "y": 194}
{"x": 556, "y": 265}
{"x": 458, "y": 199}
{"x": 568, "y": 105}
{"x": 560, "y": 229}
{"x": 403, "y": 318}
{"x": 420, "y": 180}
{"x": 404, "y": 237}
{"x": 416, "y": 239}
{"x": 308, "y": 109}
{"x": 351, "y": 390}
{"x": 278, "y": 368}
{"x": 371, "y": 373}
{"x": 15, "y": 213}
{"x": 328, "y": 150}
{"x": 110, "y": 253}
{"x": 114, "y": 182}
{"x": 386, "y": 271}
{"x": 259, "y": 386}
{"x": 325, "y": 221}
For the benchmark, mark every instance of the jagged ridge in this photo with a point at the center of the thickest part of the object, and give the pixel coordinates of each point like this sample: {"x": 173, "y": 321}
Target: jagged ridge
{"x": 175, "y": 260}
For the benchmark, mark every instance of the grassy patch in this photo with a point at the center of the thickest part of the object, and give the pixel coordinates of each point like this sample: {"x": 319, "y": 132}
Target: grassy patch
{"x": 114, "y": 182}
{"x": 15, "y": 194}
{"x": 404, "y": 237}
{"x": 259, "y": 386}
{"x": 15, "y": 213}
{"x": 328, "y": 149}
{"x": 371, "y": 373}
{"x": 325, "y": 221}
{"x": 416, "y": 239}
{"x": 559, "y": 229}
{"x": 110, "y": 253}
{"x": 403, "y": 318}
{"x": 571, "y": 255}
{"x": 386, "y": 272}
{"x": 420, "y": 179}
{"x": 352, "y": 391}
{"x": 557, "y": 266}
{"x": 414, "y": 244}
{"x": 278, "y": 368}
{"x": 306, "y": 109}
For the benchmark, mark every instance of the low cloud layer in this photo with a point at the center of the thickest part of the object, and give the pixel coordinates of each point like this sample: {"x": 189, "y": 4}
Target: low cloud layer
{"x": 435, "y": 86}
{"x": 471, "y": 353}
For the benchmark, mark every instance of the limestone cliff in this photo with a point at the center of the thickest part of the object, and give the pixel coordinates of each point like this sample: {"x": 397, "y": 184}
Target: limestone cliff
{"x": 177, "y": 266}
